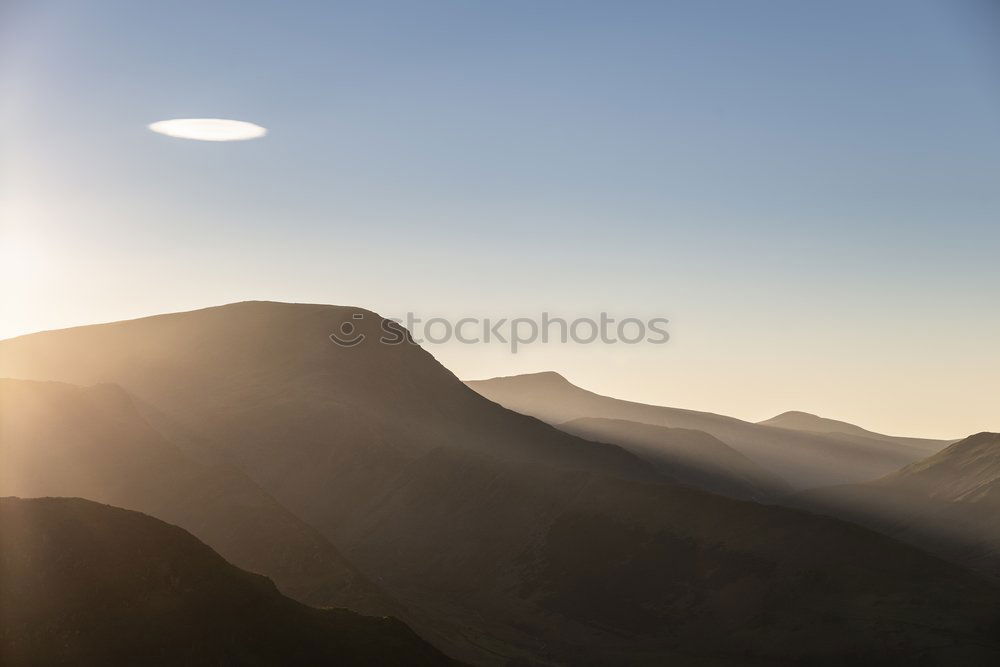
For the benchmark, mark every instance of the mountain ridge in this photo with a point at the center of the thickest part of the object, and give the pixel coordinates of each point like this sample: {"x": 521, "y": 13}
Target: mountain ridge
{"x": 92, "y": 584}
{"x": 797, "y": 420}
{"x": 801, "y": 458}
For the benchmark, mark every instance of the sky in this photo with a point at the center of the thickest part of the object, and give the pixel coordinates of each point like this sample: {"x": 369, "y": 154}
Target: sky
{"x": 809, "y": 192}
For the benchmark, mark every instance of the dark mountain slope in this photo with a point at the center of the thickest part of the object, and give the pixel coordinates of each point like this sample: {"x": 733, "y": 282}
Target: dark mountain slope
{"x": 948, "y": 503}
{"x": 964, "y": 472}
{"x": 803, "y": 421}
{"x": 60, "y": 439}
{"x": 588, "y": 569}
{"x": 90, "y": 584}
{"x": 692, "y": 458}
{"x": 511, "y": 539}
{"x": 803, "y": 459}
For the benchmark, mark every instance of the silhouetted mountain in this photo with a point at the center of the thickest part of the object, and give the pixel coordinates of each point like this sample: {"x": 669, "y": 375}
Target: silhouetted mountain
{"x": 803, "y": 421}
{"x": 968, "y": 471}
{"x": 513, "y": 540}
{"x": 683, "y": 456}
{"x": 948, "y": 503}
{"x": 801, "y": 458}
{"x": 62, "y": 440}
{"x": 91, "y": 584}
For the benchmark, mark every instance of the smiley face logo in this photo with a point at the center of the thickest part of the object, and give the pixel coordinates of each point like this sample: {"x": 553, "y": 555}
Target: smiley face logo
{"x": 348, "y": 335}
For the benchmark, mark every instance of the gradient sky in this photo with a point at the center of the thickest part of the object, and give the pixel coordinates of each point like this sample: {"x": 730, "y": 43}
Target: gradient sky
{"x": 809, "y": 191}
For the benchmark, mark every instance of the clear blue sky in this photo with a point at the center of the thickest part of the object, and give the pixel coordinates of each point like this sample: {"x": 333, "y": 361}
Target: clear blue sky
{"x": 810, "y": 191}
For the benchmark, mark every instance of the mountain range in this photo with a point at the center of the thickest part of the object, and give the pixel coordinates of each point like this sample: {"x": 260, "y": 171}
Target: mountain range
{"x": 503, "y": 539}
{"x": 944, "y": 501}
{"x": 803, "y": 458}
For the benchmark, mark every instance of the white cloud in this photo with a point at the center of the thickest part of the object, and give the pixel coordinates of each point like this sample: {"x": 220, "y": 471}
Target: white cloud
{"x": 208, "y": 129}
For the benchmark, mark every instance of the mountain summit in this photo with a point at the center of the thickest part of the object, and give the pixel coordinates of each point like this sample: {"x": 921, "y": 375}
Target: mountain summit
{"x": 804, "y": 421}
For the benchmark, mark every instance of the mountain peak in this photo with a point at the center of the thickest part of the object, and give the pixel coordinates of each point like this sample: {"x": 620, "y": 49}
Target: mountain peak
{"x": 543, "y": 376}
{"x": 807, "y": 421}
{"x": 546, "y": 377}
{"x": 796, "y": 420}
{"x": 790, "y": 414}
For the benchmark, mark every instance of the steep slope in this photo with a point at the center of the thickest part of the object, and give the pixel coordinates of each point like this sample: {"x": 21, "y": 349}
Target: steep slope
{"x": 803, "y": 459}
{"x": 691, "y": 458}
{"x": 804, "y": 421}
{"x": 63, "y": 440}
{"x": 513, "y": 540}
{"x": 90, "y": 584}
{"x": 948, "y": 503}
{"x": 965, "y": 472}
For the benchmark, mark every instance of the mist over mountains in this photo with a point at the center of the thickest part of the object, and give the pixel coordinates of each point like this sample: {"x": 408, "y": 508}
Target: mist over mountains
{"x": 685, "y": 456}
{"x": 948, "y": 503}
{"x": 804, "y": 458}
{"x": 370, "y": 477}
{"x": 941, "y": 501}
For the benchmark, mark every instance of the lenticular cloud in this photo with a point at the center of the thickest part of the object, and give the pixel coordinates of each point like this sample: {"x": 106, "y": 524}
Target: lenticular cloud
{"x": 208, "y": 129}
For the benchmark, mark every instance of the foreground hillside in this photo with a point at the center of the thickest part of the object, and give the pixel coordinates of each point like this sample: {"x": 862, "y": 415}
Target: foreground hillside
{"x": 509, "y": 539}
{"x": 58, "y": 439}
{"x": 803, "y": 458}
{"x": 948, "y": 503}
{"x": 90, "y": 584}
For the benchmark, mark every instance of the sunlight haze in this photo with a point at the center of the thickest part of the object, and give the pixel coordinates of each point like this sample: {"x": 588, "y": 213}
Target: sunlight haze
{"x": 816, "y": 215}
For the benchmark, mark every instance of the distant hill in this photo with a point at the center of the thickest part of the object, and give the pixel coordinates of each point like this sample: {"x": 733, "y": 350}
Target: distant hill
{"x": 803, "y": 421}
{"x": 966, "y": 472}
{"x": 948, "y": 503}
{"x": 58, "y": 439}
{"x": 692, "y": 458}
{"x": 803, "y": 459}
{"x": 514, "y": 542}
{"x": 91, "y": 584}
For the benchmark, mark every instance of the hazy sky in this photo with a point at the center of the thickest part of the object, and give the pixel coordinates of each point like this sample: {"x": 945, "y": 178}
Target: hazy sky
{"x": 809, "y": 191}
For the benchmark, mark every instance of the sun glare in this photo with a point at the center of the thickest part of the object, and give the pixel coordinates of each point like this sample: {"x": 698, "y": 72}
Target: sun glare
{"x": 20, "y": 260}
{"x": 208, "y": 129}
